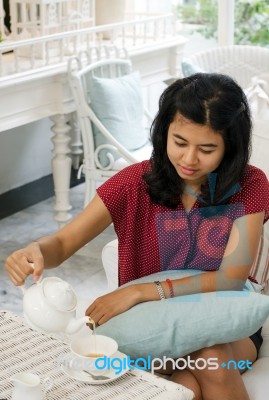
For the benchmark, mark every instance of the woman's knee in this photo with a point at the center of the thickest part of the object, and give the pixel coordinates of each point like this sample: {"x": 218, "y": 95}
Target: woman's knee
{"x": 216, "y": 352}
{"x": 209, "y": 363}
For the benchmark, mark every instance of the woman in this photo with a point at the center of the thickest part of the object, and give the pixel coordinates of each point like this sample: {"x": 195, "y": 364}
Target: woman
{"x": 196, "y": 204}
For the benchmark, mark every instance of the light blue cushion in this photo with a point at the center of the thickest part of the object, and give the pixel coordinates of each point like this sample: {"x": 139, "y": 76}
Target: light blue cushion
{"x": 118, "y": 104}
{"x": 179, "y": 326}
{"x": 189, "y": 69}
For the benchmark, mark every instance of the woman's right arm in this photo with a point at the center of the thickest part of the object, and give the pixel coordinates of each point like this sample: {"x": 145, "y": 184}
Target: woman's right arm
{"x": 50, "y": 251}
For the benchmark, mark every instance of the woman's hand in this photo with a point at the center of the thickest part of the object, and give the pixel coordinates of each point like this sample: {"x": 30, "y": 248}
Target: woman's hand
{"x": 114, "y": 303}
{"x": 19, "y": 264}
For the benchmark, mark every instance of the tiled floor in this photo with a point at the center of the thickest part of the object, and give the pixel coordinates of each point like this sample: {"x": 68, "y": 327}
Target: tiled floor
{"x": 83, "y": 270}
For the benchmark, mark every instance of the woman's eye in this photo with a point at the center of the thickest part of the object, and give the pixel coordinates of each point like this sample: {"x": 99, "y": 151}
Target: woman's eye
{"x": 180, "y": 144}
{"x": 206, "y": 151}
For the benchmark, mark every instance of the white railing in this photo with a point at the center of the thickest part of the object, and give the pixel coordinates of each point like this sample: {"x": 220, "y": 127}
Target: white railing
{"x": 50, "y": 51}
{"x": 2, "y": 16}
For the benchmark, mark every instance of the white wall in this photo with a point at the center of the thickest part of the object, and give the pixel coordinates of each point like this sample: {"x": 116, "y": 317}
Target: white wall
{"x": 25, "y": 154}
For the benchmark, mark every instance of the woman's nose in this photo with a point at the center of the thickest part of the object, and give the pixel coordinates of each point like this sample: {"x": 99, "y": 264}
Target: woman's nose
{"x": 190, "y": 157}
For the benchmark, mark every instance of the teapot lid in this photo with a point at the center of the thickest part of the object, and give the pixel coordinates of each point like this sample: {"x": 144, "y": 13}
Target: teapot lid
{"x": 59, "y": 294}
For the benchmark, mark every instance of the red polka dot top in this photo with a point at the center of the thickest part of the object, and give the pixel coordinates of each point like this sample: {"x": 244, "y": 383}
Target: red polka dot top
{"x": 153, "y": 238}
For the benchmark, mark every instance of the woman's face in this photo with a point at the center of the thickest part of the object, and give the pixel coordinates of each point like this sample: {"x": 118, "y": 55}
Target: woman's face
{"x": 194, "y": 150}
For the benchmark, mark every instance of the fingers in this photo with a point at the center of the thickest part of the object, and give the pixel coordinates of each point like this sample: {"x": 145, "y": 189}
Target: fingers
{"x": 93, "y": 313}
{"x": 97, "y": 317}
{"x": 90, "y": 313}
{"x": 100, "y": 312}
{"x": 18, "y": 268}
{"x": 90, "y": 310}
{"x": 111, "y": 304}
{"x": 19, "y": 265}
{"x": 104, "y": 319}
{"x": 38, "y": 266}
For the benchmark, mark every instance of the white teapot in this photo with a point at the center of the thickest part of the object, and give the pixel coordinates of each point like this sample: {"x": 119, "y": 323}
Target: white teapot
{"x": 50, "y": 306}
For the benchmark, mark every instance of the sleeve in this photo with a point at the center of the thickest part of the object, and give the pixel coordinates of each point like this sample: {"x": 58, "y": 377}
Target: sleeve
{"x": 116, "y": 192}
{"x": 254, "y": 193}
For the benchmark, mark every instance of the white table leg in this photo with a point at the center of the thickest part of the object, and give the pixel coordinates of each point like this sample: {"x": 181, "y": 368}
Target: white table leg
{"x": 61, "y": 167}
{"x": 176, "y": 56}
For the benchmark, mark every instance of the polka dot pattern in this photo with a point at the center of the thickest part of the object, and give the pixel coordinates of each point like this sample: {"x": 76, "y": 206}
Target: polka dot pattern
{"x": 181, "y": 240}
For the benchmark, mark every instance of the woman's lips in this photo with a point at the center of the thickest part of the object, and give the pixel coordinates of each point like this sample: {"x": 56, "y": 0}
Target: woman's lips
{"x": 187, "y": 171}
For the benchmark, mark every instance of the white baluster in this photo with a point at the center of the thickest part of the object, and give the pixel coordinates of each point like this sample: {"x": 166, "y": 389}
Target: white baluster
{"x": 33, "y": 17}
{"x": 16, "y": 61}
{"x": 1, "y": 65}
{"x": 2, "y": 16}
{"x": 47, "y": 52}
{"x": 32, "y": 56}
{"x": 76, "y": 143}
{"x": 61, "y": 168}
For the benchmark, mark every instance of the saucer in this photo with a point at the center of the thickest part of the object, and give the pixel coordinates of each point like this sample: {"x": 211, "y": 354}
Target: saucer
{"x": 111, "y": 373}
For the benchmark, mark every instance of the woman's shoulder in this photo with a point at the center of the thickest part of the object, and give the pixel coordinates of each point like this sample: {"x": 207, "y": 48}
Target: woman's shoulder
{"x": 254, "y": 175}
{"x": 126, "y": 180}
{"x": 253, "y": 183}
{"x": 124, "y": 190}
{"x": 134, "y": 173}
{"x": 254, "y": 192}
{"x": 138, "y": 168}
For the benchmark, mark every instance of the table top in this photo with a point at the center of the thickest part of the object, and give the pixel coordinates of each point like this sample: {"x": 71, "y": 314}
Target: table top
{"x": 24, "y": 349}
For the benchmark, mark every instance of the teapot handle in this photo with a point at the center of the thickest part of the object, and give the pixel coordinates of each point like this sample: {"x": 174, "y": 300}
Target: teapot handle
{"x": 22, "y": 287}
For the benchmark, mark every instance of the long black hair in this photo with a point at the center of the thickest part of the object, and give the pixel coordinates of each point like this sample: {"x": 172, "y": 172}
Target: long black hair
{"x": 215, "y": 100}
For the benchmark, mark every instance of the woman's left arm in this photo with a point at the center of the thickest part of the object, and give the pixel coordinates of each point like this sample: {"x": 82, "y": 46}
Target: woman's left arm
{"x": 239, "y": 255}
{"x": 241, "y": 250}
{"x": 234, "y": 270}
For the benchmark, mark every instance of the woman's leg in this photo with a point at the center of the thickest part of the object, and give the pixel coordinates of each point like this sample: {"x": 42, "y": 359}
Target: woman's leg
{"x": 224, "y": 383}
{"x": 183, "y": 377}
{"x": 221, "y": 384}
{"x": 187, "y": 379}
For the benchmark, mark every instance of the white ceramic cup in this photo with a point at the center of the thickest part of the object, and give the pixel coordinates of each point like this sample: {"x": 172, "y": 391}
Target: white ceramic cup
{"x": 81, "y": 347}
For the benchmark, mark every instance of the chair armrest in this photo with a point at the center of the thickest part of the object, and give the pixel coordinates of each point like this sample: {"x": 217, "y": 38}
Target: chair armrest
{"x": 110, "y": 264}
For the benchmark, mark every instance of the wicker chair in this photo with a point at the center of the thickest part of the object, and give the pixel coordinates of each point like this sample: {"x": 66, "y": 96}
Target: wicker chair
{"x": 241, "y": 62}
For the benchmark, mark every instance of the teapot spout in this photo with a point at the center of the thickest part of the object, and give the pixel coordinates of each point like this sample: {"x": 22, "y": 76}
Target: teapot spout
{"x": 76, "y": 324}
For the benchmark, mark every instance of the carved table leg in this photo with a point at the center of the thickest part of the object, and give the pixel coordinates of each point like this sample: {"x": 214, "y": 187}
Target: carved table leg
{"x": 61, "y": 168}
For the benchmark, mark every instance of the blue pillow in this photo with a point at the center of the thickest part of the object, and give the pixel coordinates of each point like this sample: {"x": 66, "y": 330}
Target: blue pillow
{"x": 118, "y": 104}
{"x": 176, "y": 327}
{"x": 189, "y": 69}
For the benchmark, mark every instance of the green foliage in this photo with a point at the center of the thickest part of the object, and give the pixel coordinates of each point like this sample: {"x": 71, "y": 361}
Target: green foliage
{"x": 252, "y": 22}
{"x": 251, "y": 19}
{"x": 198, "y": 12}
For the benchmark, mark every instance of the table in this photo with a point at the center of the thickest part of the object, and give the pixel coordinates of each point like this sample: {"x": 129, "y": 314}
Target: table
{"x": 24, "y": 349}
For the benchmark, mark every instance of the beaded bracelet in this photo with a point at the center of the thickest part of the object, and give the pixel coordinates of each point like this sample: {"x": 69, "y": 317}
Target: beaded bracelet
{"x": 160, "y": 290}
{"x": 171, "y": 289}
